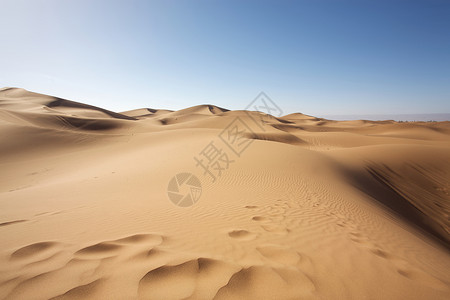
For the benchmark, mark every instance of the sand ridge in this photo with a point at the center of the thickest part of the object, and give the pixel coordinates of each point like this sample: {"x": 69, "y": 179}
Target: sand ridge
{"x": 310, "y": 209}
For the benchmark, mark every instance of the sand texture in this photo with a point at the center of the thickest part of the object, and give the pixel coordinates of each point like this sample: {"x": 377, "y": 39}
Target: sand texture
{"x": 300, "y": 208}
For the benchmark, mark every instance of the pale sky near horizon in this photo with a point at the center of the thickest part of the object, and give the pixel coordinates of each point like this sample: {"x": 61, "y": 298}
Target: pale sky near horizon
{"x": 318, "y": 57}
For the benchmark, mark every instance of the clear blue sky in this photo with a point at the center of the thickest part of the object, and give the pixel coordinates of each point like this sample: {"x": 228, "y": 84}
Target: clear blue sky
{"x": 317, "y": 57}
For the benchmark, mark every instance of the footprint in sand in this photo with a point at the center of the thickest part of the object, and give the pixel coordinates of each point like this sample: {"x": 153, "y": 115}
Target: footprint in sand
{"x": 402, "y": 267}
{"x": 418, "y": 275}
{"x": 380, "y": 253}
{"x": 364, "y": 241}
{"x": 358, "y": 238}
{"x": 251, "y": 206}
{"x": 279, "y": 254}
{"x": 260, "y": 219}
{"x": 345, "y": 224}
{"x": 242, "y": 235}
{"x": 277, "y": 229}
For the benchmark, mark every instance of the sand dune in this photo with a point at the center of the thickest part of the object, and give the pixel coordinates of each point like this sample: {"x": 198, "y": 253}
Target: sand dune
{"x": 303, "y": 207}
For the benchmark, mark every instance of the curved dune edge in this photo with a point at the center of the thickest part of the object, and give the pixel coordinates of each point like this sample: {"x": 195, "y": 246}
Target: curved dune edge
{"x": 309, "y": 209}
{"x": 92, "y": 270}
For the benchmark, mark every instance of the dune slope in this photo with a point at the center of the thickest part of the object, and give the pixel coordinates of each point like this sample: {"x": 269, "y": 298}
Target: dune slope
{"x": 295, "y": 207}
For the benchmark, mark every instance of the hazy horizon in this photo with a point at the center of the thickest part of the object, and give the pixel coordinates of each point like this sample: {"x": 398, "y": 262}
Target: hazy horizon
{"x": 317, "y": 58}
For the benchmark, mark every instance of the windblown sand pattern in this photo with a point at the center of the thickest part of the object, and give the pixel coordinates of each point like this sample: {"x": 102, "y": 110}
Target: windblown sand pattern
{"x": 311, "y": 209}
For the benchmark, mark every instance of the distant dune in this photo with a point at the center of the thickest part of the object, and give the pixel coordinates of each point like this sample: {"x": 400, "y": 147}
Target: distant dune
{"x": 208, "y": 203}
{"x": 436, "y": 117}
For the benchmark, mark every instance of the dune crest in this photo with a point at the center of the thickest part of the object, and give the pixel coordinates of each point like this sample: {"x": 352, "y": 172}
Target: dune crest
{"x": 301, "y": 208}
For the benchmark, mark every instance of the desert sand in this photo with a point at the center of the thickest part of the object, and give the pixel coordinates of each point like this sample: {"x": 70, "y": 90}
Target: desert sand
{"x": 294, "y": 207}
